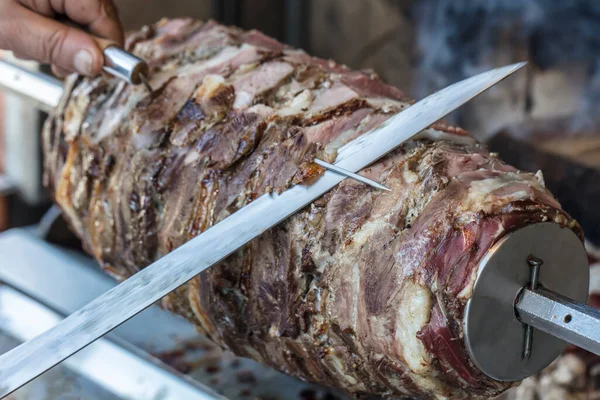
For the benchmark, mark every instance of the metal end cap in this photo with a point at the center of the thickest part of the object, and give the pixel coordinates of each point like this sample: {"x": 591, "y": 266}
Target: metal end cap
{"x": 494, "y": 337}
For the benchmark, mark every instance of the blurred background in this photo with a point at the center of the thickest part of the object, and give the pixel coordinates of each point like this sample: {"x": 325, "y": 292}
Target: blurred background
{"x": 419, "y": 46}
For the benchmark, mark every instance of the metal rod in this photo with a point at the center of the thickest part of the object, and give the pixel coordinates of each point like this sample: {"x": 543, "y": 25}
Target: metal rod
{"x": 350, "y": 174}
{"x": 560, "y": 316}
{"x": 528, "y": 342}
{"x": 535, "y": 264}
{"x": 41, "y": 89}
{"x": 146, "y": 83}
{"x": 126, "y": 66}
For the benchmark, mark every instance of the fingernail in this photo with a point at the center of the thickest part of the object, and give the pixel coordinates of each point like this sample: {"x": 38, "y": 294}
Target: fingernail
{"x": 83, "y": 62}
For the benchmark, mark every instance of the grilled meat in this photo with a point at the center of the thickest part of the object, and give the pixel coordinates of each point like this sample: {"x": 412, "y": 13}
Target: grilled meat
{"x": 363, "y": 290}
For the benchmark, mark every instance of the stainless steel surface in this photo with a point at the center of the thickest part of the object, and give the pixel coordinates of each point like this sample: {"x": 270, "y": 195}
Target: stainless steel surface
{"x": 157, "y": 332}
{"x": 40, "y": 89}
{"x": 22, "y": 122}
{"x": 58, "y": 384}
{"x": 119, "y": 370}
{"x": 352, "y": 175}
{"x": 535, "y": 264}
{"x": 124, "y": 65}
{"x": 560, "y": 316}
{"x": 116, "y": 306}
{"x": 494, "y": 337}
{"x": 41, "y": 270}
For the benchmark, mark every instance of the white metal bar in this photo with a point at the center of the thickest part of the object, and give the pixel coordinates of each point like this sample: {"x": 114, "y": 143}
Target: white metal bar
{"x": 41, "y": 89}
{"x": 114, "y": 368}
{"x": 562, "y": 317}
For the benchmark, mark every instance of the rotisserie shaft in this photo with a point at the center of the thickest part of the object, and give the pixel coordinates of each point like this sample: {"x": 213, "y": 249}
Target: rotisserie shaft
{"x": 364, "y": 290}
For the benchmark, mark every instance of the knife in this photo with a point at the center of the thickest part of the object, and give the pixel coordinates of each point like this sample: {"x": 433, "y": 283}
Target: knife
{"x": 100, "y": 316}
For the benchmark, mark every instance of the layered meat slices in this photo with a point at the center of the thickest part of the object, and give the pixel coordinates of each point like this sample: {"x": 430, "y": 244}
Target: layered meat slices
{"x": 363, "y": 290}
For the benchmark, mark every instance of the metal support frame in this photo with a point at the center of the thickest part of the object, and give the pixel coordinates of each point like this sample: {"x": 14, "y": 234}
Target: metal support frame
{"x": 227, "y": 12}
{"x": 296, "y": 23}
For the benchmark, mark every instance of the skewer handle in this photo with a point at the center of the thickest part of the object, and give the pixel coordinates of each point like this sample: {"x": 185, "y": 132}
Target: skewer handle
{"x": 560, "y": 316}
{"x": 125, "y": 65}
{"x": 117, "y": 61}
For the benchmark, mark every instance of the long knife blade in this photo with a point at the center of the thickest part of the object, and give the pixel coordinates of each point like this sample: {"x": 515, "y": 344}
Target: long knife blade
{"x": 119, "y": 304}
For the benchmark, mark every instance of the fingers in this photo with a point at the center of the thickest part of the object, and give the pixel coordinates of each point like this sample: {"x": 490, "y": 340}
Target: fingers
{"x": 59, "y": 72}
{"x": 33, "y": 36}
{"x": 100, "y": 17}
{"x": 40, "y": 6}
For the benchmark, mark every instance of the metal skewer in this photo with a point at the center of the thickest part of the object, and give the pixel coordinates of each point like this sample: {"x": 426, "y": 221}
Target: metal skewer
{"x": 535, "y": 264}
{"x": 350, "y": 174}
{"x": 145, "y": 82}
{"x": 569, "y": 320}
{"x": 118, "y": 62}
{"x": 126, "y": 66}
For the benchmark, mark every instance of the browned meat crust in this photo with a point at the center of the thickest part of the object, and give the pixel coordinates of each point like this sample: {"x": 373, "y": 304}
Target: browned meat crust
{"x": 362, "y": 290}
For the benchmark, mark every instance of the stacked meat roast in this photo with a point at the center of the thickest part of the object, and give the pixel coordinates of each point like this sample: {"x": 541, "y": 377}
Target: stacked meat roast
{"x": 363, "y": 290}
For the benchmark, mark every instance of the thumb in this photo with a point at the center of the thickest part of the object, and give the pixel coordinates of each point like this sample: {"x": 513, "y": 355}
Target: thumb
{"x": 33, "y": 36}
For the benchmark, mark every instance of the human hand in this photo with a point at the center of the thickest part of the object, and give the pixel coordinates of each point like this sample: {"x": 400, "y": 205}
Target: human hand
{"x": 30, "y": 29}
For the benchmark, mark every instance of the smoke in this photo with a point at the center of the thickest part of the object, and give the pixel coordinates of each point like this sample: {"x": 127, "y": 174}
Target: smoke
{"x": 460, "y": 38}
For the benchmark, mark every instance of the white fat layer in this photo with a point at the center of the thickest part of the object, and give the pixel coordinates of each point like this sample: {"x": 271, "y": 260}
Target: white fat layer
{"x": 467, "y": 291}
{"x": 356, "y": 295}
{"x": 336, "y": 363}
{"x": 436, "y": 136}
{"x": 540, "y": 177}
{"x": 387, "y": 105}
{"x": 343, "y": 138}
{"x": 115, "y": 115}
{"x": 299, "y": 104}
{"x": 210, "y": 84}
{"x": 365, "y": 233}
{"x": 191, "y": 157}
{"x": 479, "y": 192}
{"x": 228, "y": 53}
{"x": 413, "y": 313}
{"x": 242, "y": 99}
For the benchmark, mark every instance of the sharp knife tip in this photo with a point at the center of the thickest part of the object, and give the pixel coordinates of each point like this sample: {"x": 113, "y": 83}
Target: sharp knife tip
{"x": 515, "y": 67}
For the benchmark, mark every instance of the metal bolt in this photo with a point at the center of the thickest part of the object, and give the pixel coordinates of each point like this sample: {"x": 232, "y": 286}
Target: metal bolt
{"x": 535, "y": 264}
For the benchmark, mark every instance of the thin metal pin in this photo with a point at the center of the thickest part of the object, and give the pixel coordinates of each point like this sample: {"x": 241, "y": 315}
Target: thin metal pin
{"x": 528, "y": 342}
{"x": 535, "y": 264}
{"x": 351, "y": 175}
{"x": 146, "y": 83}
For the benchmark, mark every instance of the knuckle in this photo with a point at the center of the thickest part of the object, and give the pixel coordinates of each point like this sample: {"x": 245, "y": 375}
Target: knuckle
{"x": 107, "y": 9}
{"x": 43, "y": 6}
{"x": 10, "y": 33}
{"x": 7, "y": 10}
{"x": 58, "y": 6}
{"x": 52, "y": 46}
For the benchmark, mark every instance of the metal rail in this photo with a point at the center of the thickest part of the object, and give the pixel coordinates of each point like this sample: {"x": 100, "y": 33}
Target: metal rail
{"x": 121, "y": 371}
{"x": 40, "y": 89}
